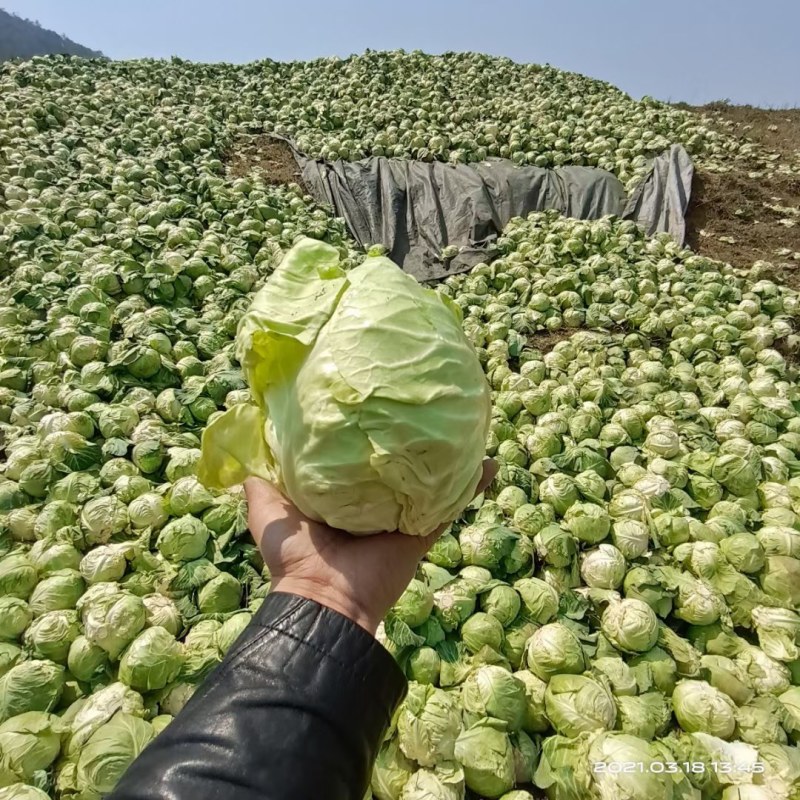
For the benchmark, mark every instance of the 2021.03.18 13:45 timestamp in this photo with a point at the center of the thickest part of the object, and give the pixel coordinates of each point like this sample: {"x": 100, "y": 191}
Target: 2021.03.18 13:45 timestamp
{"x": 673, "y": 767}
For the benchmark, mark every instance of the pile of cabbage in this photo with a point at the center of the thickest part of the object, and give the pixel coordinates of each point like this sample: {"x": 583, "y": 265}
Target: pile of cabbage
{"x": 123, "y": 580}
{"x": 627, "y": 590}
{"x": 457, "y": 107}
{"x": 618, "y": 615}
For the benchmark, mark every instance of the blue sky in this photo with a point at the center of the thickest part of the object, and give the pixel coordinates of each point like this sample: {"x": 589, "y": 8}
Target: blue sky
{"x": 692, "y": 50}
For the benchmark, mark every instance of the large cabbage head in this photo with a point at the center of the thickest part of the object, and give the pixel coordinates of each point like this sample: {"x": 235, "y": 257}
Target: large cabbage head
{"x": 446, "y": 782}
{"x": 630, "y": 625}
{"x": 111, "y": 617}
{"x": 646, "y": 780}
{"x": 391, "y": 772}
{"x": 372, "y": 408}
{"x": 487, "y": 757}
{"x": 575, "y": 704}
{"x": 554, "y": 648}
{"x": 152, "y": 661}
{"x": 494, "y": 692}
{"x": 428, "y": 724}
{"x": 698, "y": 706}
{"x": 30, "y": 742}
{"x": 109, "y": 752}
{"x": 34, "y": 685}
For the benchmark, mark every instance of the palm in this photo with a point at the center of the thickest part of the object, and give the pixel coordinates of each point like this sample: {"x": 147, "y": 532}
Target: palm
{"x": 368, "y": 573}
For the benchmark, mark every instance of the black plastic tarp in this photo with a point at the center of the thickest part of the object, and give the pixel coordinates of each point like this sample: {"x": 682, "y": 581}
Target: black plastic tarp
{"x": 416, "y": 209}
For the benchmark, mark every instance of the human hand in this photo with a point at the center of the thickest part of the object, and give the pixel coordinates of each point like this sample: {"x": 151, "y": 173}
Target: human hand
{"x": 358, "y": 576}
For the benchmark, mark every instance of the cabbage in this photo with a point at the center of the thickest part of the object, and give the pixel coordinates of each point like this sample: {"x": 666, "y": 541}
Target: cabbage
{"x": 492, "y": 691}
{"x": 575, "y": 704}
{"x": 485, "y": 752}
{"x": 34, "y": 685}
{"x": 30, "y": 742}
{"x": 428, "y": 724}
{"x": 352, "y": 473}
{"x": 152, "y": 660}
{"x": 698, "y": 706}
{"x": 110, "y": 750}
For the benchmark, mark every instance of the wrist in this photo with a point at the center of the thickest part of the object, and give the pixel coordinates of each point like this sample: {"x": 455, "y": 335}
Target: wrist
{"x": 332, "y": 598}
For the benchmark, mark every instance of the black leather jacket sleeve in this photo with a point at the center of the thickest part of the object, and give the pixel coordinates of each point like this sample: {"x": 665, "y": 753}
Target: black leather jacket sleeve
{"x": 296, "y": 711}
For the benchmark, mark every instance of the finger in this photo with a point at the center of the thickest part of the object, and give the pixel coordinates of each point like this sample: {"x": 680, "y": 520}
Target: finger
{"x": 262, "y": 499}
{"x": 426, "y": 542}
{"x": 490, "y": 468}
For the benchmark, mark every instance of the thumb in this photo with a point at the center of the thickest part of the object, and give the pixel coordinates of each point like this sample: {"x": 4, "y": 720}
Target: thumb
{"x": 258, "y": 492}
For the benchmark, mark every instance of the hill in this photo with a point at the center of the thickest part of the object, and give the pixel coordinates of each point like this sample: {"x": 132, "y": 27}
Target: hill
{"x": 23, "y": 38}
{"x": 751, "y": 213}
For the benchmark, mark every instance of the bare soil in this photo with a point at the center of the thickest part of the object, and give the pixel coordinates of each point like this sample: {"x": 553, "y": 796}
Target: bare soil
{"x": 271, "y": 159}
{"x": 545, "y": 341}
{"x": 751, "y": 213}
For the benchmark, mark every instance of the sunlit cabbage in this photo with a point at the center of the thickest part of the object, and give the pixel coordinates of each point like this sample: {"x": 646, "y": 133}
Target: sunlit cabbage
{"x": 110, "y": 750}
{"x": 603, "y": 567}
{"x": 86, "y": 660}
{"x": 630, "y": 625}
{"x": 103, "y": 517}
{"x": 220, "y": 595}
{"x": 59, "y": 590}
{"x": 698, "y": 706}
{"x": 50, "y": 635}
{"x": 111, "y": 617}
{"x": 30, "y": 742}
{"x": 494, "y": 692}
{"x": 415, "y": 604}
{"x": 645, "y": 716}
{"x": 447, "y": 395}
{"x": 485, "y": 545}
{"x": 482, "y": 630}
{"x": 554, "y": 649}
{"x": 152, "y": 660}
{"x": 424, "y": 666}
{"x": 15, "y": 616}
{"x": 105, "y": 563}
{"x": 183, "y": 539}
{"x": 576, "y": 704}
{"x": 484, "y": 751}
{"x": 391, "y": 772}
{"x": 188, "y": 496}
{"x": 446, "y": 781}
{"x": 428, "y": 724}
{"x": 539, "y": 599}
{"x": 34, "y": 685}
{"x": 161, "y": 611}
{"x": 147, "y": 511}
{"x": 503, "y": 603}
{"x": 454, "y": 603}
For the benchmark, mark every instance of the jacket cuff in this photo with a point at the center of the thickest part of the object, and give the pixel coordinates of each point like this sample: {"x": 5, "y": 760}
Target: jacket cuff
{"x": 358, "y": 676}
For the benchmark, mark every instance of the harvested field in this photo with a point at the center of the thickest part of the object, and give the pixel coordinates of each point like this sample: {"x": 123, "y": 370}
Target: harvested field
{"x": 749, "y": 215}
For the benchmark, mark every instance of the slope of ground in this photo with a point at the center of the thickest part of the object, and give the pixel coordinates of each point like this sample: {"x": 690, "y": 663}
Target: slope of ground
{"x": 751, "y": 213}
{"x": 23, "y": 38}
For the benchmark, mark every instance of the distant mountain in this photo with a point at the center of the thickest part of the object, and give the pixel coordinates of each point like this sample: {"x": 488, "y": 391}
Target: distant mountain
{"x": 23, "y": 38}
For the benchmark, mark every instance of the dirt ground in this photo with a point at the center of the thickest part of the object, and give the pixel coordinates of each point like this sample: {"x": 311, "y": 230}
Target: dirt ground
{"x": 271, "y": 159}
{"x": 751, "y": 213}
{"x": 546, "y": 340}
